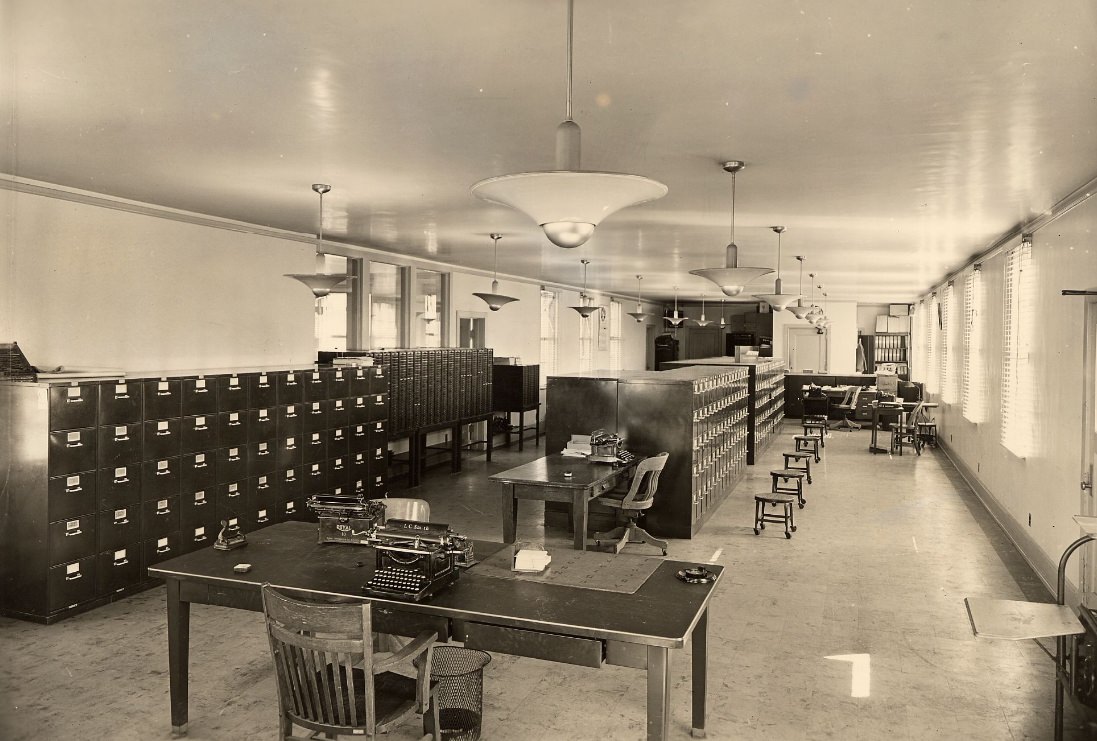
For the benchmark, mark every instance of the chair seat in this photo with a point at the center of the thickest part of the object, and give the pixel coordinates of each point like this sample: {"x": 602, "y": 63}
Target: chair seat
{"x": 789, "y": 473}
{"x": 770, "y": 498}
{"x": 615, "y": 499}
{"x": 805, "y": 437}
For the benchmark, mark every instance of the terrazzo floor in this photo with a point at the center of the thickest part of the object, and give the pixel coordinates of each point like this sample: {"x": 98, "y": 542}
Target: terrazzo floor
{"x": 887, "y": 548}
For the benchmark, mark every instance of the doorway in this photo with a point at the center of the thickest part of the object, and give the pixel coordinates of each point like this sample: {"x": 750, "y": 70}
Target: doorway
{"x": 807, "y": 350}
{"x": 471, "y": 329}
{"x": 1088, "y": 579}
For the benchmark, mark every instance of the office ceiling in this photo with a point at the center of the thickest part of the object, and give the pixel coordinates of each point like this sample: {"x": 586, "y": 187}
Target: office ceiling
{"x": 892, "y": 140}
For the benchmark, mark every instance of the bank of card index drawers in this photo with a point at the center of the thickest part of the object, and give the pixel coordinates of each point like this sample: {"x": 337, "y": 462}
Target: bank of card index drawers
{"x": 105, "y": 478}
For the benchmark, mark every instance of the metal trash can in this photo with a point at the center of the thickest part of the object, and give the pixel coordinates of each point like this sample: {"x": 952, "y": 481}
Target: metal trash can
{"x": 459, "y": 673}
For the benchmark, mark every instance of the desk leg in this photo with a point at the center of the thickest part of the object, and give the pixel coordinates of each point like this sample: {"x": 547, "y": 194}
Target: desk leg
{"x": 490, "y": 436}
{"x": 455, "y": 448}
{"x": 510, "y": 514}
{"x": 580, "y": 515}
{"x": 178, "y": 657}
{"x": 521, "y": 431}
{"x": 537, "y": 427}
{"x": 700, "y": 675}
{"x": 658, "y": 693}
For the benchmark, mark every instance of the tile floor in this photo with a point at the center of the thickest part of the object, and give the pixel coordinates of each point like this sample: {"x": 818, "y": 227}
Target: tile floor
{"x": 887, "y": 548}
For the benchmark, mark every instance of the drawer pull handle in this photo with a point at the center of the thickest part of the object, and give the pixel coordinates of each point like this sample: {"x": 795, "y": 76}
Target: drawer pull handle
{"x": 163, "y": 549}
{"x": 200, "y": 428}
{"x": 233, "y": 494}
{"x": 234, "y": 424}
{"x": 166, "y": 511}
{"x": 162, "y": 433}
{"x": 200, "y": 465}
{"x": 123, "y": 521}
{"x": 291, "y": 447}
{"x": 163, "y": 393}
{"x": 260, "y": 487}
{"x": 163, "y": 473}
{"x": 74, "y": 445}
{"x": 124, "y": 438}
{"x": 123, "y": 480}
{"x": 262, "y": 453}
{"x": 121, "y": 562}
{"x": 75, "y": 400}
{"x": 201, "y": 391}
{"x": 233, "y": 458}
{"x": 121, "y": 396}
{"x": 73, "y": 489}
{"x": 74, "y": 577}
{"x": 77, "y": 531}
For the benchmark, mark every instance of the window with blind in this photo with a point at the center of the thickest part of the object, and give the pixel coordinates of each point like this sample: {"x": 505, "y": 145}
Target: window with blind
{"x": 950, "y": 377}
{"x": 386, "y": 305}
{"x": 974, "y": 383}
{"x": 921, "y": 343}
{"x": 586, "y": 342}
{"x": 933, "y": 326}
{"x": 615, "y": 336}
{"x": 549, "y": 315}
{"x": 1017, "y": 372}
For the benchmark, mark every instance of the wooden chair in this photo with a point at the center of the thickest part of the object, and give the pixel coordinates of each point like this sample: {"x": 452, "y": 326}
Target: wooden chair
{"x": 848, "y": 406}
{"x": 631, "y": 503}
{"x": 905, "y": 431}
{"x": 330, "y": 681}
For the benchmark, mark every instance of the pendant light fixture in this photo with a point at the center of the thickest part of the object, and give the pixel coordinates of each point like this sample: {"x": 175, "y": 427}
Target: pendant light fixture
{"x": 585, "y": 308}
{"x": 495, "y": 300}
{"x": 814, "y": 312}
{"x": 798, "y": 309}
{"x": 731, "y": 278}
{"x": 723, "y": 313}
{"x": 320, "y": 283}
{"x": 568, "y": 202}
{"x": 702, "y": 322}
{"x": 639, "y": 315}
{"x": 676, "y": 320}
{"x": 778, "y": 300}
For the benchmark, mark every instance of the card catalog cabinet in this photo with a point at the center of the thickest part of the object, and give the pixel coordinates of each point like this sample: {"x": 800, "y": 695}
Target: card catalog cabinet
{"x": 102, "y": 479}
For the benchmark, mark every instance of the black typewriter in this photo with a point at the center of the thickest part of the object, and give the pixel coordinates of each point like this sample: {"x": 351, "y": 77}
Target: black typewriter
{"x": 415, "y": 560}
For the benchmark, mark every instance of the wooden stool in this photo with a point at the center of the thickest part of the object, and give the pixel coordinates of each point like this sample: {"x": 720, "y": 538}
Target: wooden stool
{"x": 761, "y": 517}
{"x": 807, "y": 443}
{"x": 793, "y": 479}
{"x": 817, "y": 429}
{"x": 799, "y": 462}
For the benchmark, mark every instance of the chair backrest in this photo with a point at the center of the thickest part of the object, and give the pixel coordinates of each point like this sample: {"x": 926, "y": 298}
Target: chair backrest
{"x": 645, "y": 480}
{"x": 402, "y": 508}
{"x": 816, "y": 405}
{"x": 323, "y": 660}
{"x": 851, "y": 396}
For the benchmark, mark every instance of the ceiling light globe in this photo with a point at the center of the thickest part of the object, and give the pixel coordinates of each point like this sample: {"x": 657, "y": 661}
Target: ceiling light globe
{"x": 568, "y": 234}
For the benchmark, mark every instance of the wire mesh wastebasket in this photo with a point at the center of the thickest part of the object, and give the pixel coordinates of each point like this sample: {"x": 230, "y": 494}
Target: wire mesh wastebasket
{"x": 459, "y": 673}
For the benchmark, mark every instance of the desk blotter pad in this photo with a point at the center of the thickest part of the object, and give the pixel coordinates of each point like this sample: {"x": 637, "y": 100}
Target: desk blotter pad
{"x": 570, "y": 568}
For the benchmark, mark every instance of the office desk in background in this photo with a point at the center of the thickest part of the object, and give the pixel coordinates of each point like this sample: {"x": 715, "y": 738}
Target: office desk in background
{"x": 544, "y": 479}
{"x": 589, "y": 627}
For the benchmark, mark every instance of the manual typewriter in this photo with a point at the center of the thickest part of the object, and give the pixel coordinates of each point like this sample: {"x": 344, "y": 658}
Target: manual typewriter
{"x": 415, "y": 559}
{"x": 346, "y": 519}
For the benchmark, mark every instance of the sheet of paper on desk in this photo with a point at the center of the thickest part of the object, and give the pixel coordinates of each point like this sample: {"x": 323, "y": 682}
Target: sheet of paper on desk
{"x": 531, "y": 560}
{"x": 569, "y": 453}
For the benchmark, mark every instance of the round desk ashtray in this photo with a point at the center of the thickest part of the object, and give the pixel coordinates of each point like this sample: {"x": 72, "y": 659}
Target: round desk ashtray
{"x": 696, "y": 575}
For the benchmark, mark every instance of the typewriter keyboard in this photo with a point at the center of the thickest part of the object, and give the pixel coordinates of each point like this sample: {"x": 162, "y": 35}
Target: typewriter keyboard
{"x": 395, "y": 581}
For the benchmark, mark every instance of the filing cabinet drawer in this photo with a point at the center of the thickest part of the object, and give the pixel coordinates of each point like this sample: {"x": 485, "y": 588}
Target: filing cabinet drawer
{"x": 71, "y": 496}
{"x": 72, "y": 451}
{"x": 316, "y": 416}
{"x": 119, "y": 445}
{"x": 199, "y": 395}
{"x": 261, "y": 457}
{"x": 378, "y": 487}
{"x": 359, "y": 466}
{"x": 163, "y": 438}
{"x": 232, "y": 393}
{"x": 197, "y": 536}
{"x": 316, "y": 478}
{"x": 360, "y": 409}
{"x": 232, "y": 428}
{"x": 378, "y": 407}
{"x": 338, "y": 413}
{"x": 378, "y": 380}
{"x": 71, "y": 539}
{"x": 232, "y": 464}
{"x": 315, "y": 448}
{"x": 242, "y": 520}
{"x": 315, "y": 386}
{"x": 291, "y": 387}
{"x": 118, "y": 487}
{"x": 291, "y": 420}
{"x": 160, "y": 479}
{"x": 71, "y": 583}
{"x": 197, "y": 507}
{"x": 340, "y": 472}
{"x": 290, "y": 451}
{"x": 73, "y": 406}
{"x": 263, "y": 516}
{"x": 338, "y": 442}
{"x": 359, "y": 380}
{"x": 163, "y": 399}
{"x": 262, "y": 424}
{"x": 534, "y": 644}
{"x": 262, "y": 390}
{"x": 338, "y": 383}
{"x": 264, "y": 488}
{"x": 117, "y": 569}
{"x": 119, "y": 403}
{"x": 360, "y": 438}
{"x": 233, "y": 497}
{"x": 379, "y": 435}
{"x": 159, "y": 517}
{"x": 198, "y": 471}
{"x": 160, "y": 549}
{"x": 294, "y": 509}
{"x": 292, "y": 481}
{"x": 200, "y": 433}
{"x": 119, "y": 527}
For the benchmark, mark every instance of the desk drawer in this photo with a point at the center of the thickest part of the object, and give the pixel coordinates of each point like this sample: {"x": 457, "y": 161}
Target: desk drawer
{"x": 534, "y": 644}
{"x": 410, "y": 624}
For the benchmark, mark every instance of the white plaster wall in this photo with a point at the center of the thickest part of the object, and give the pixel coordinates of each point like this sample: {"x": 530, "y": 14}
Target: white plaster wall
{"x": 83, "y": 285}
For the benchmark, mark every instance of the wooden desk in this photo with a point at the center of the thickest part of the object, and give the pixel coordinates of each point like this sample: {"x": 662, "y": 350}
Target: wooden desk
{"x": 525, "y": 618}
{"x": 544, "y": 479}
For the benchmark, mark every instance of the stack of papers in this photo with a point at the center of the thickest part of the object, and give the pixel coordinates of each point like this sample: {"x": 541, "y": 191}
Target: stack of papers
{"x": 531, "y": 560}
{"x": 577, "y": 447}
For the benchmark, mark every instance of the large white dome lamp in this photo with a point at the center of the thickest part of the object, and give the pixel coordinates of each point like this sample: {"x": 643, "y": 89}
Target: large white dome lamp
{"x": 798, "y": 309}
{"x": 778, "y": 300}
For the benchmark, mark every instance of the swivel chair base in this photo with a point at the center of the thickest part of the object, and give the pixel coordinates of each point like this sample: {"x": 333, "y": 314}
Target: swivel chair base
{"x": 612, "y": 541}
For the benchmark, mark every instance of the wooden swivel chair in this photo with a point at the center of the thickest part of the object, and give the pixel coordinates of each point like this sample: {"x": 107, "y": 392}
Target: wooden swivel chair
{"x": 330, "y": 681}
{"x": 631, "y": 503}
{"x": 847, "y": 407}
{"x": 905, "y": 431}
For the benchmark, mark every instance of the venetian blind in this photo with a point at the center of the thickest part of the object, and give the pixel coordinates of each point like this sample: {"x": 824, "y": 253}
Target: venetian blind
{"x": 549, "y": 308}
{"x": 974, "y": 391}
{"x": 950, "y": 376}
{"x": 933, "y": 374}
{"x": 615, "y": 338}
{"x": 1017, "y": 376}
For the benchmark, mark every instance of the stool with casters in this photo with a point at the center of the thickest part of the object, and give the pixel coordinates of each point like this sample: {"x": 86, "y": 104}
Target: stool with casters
{"x": 789, "y": 481}
{"x": 799, "y": 462}
{"x": 784, "y": 517}
{"x": 807, "y": 443}
{"x": 631, "y": 503}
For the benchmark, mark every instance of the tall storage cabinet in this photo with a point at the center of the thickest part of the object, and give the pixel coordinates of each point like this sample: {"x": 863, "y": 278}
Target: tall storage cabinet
{"x": 698, "y": 415}
{"x": 101, "y": 479}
